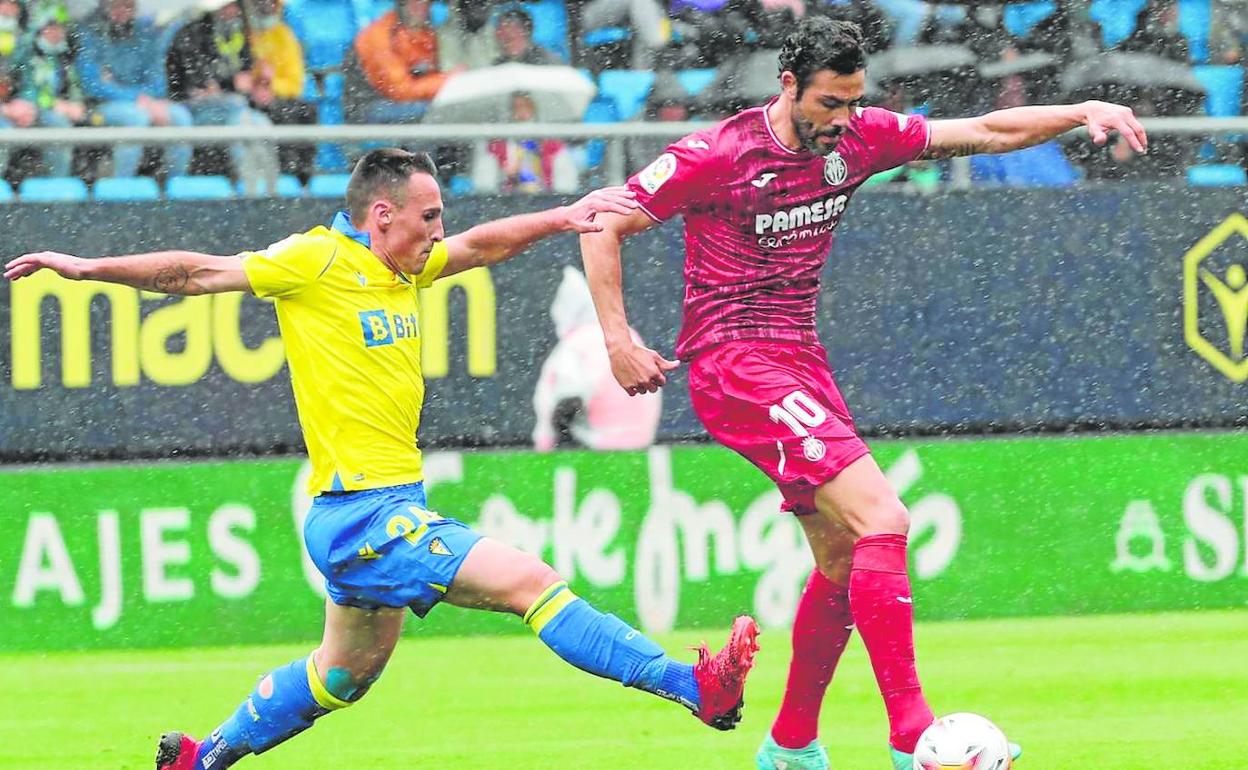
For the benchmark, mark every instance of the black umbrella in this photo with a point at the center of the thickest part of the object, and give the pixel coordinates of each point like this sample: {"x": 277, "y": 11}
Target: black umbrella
{"x": 754, "y": 76}
{"x": 744, "y": 80}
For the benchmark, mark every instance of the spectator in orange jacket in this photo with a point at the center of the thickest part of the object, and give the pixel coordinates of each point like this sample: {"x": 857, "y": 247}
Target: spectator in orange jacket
{"x": 398, "y": 58}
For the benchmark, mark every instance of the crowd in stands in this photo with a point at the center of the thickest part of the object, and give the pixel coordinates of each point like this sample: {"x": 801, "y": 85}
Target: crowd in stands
{"x": 134, "y": 63}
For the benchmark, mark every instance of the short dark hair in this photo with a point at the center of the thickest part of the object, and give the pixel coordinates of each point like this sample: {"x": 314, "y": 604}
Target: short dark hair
{"x": 517, "y": 14}
{"x": 384, "y": 172}
{"x": 820, "y": 43}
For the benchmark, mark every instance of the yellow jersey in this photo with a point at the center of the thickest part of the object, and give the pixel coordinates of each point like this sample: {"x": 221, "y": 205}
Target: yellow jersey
{"x": 351, "y": 328}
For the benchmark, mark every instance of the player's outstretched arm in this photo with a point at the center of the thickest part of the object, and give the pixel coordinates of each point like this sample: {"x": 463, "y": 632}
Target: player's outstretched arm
{"x": 1021, "y": 127}
{"x": 637, "y": 368}
{"x": 494, "y": 242}
{"x": 168, "y": 272}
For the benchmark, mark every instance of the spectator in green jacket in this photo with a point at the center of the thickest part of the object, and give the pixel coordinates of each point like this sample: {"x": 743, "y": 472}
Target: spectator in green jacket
{"x": 49, "y": 80}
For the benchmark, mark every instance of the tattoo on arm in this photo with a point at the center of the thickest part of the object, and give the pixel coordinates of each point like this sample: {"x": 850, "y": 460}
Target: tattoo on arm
{"x": 171, "y": 279}
{"x": 950, "y": 151}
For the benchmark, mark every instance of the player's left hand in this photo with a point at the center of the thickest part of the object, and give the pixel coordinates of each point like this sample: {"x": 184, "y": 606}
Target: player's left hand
{"x": 1103, "y": 117}
{"x": 579, "y": 216}
{"x": 67, "y": 265}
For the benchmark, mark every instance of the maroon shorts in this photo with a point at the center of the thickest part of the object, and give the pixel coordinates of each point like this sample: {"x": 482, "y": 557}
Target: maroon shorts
{"x": 776, "y": 404}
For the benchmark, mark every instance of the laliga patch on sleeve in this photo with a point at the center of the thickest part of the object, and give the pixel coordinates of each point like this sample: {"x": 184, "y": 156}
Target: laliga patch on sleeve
{"x": 653, "y": 176}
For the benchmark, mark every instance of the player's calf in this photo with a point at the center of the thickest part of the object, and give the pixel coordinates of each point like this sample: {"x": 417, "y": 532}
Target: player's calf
{"x": 285, "y": 703}
{"x": 603, "y": 645}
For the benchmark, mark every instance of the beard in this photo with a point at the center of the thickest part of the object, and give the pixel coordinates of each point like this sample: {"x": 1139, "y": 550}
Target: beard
{"x": 809, "y": 137}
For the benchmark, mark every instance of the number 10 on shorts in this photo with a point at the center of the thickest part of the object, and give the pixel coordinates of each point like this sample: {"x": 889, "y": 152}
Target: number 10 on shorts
{"x": 799, "y": 412}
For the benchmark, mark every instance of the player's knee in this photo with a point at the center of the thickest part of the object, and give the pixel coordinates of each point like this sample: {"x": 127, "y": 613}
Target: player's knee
{"x": 883, "y": 515}
{"x": 531, "y": 582}
{"x": 886, "y": 516}
{"x": 348, "y": 679}
{"x": 351, "y": 684}
{"x": 348, "y": 685}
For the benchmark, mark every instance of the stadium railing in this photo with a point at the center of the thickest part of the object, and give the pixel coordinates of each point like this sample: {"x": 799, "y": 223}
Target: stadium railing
{"x": 614, "y": 134}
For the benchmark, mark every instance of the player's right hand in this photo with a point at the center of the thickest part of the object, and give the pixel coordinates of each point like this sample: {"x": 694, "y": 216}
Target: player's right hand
{"x": 65, "y": 265}
{"x": 639, "y": 369}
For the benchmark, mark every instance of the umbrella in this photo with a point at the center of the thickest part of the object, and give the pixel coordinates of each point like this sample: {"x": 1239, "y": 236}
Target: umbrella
{"x": 755, "y": 77}
{"x": 165, "y": 11}
{"x": 908, "y": 61}
{"x": 1130, "y": 69}
{"x": 743, "y": 80}
{"x": 560, "y": 94}
{"x": 1027, "y": 62}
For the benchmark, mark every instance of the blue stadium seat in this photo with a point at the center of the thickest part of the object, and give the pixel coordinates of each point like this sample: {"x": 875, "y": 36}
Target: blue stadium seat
{"x": 695, "y": 81}
{"x": 1019, "y": 18}
{"x": 629, "y": 89}
{"x": 46, "y": 189}
{"x": 459, "y": 185}
{"x": 1116, "y": 17}
{"x": 326, "y": 28}
{"x": 126, "y": 188}
{"x": 287, "y": 187}
{"x": 6, "y": 192}
{"x": 1217, "y": 175}
{"x": 1044, "y": 165}
{"x": 550, "y": 26}
{"x": 368, "y": 11}
{"x": 599, "y": 110}
{"x": 1195, "y": 18}
{"x": 199, "y": 188}
{"x": 333, "y": 86}
{"x": 311, "y": 91}
{"x": 328, "y": 185}
{"x": 602, "y": 110}
{"x": 330, "y": 112}
{"x": 605, "y": 36}
{"x": 1224, "y": 88}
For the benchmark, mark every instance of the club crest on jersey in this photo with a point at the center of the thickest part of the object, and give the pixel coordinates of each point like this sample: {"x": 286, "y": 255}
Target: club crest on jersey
{"x": 835, "y": 172}
{"x": 813, "y": 449}
{"x": 653, "y": 176}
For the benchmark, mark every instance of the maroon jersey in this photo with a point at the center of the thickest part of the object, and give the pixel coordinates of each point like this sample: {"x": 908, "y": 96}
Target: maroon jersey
{"x": 759, "y": 218}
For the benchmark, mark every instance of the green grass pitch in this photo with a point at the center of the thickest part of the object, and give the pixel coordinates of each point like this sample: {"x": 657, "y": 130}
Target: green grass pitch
{"x": 1132, "y": 692}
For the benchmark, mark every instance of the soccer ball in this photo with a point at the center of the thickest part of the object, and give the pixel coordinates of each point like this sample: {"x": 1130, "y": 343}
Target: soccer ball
{"x": 962, "y": 742}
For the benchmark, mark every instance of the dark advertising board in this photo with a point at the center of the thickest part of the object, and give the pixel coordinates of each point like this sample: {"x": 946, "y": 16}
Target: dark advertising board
{"x": 1120, "y": 306}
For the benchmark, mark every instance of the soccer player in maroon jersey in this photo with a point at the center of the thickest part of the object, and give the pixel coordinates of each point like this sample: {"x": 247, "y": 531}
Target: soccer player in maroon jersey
{"x": 762, "y": 193}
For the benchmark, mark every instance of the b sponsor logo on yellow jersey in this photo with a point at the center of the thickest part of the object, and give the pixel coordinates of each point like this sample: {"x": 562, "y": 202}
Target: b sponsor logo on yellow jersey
{"x": 382, "y": 328}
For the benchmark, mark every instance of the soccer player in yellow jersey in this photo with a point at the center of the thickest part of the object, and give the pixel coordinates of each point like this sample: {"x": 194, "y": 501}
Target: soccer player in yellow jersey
{"x": 347, "y": 307}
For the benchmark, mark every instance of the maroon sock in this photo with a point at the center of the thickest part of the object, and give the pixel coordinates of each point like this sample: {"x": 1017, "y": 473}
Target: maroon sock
{"x": 820, "y": 630}
{"x": 879, "y": 598}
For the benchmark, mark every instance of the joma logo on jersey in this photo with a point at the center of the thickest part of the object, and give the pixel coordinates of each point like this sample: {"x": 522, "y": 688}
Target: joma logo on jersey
{"x": 381, "y": 328}
{"x": 827, "y": 210}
